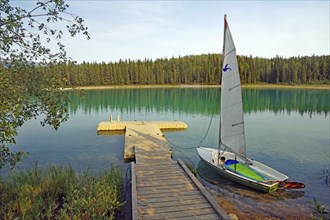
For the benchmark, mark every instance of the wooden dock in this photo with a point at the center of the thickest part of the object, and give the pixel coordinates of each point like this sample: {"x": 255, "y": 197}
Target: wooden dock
{"x": 161, "y": 188}
{"x": 144, "y": 135}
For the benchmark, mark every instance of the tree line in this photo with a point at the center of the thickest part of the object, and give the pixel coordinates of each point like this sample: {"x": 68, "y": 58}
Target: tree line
{"x": 195, "y": 69}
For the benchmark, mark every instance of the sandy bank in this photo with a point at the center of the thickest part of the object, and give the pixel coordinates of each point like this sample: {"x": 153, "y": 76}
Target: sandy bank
{"x": 265, "y": 86}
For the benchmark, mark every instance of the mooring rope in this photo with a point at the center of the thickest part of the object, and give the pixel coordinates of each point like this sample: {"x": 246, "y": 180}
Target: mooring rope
{"x": 187, "y": 148}
{"x": 207, "y": 131}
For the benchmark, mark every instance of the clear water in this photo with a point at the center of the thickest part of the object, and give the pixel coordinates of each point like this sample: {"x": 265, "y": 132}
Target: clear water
{"x": 285, "y": 129}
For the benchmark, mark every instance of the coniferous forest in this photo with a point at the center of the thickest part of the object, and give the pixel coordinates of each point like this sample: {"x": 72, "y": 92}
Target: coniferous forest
{"x": 195, "y": 69}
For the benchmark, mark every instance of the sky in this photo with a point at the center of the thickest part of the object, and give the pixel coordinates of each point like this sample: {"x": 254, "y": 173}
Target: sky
{"x": 164, "y": 29}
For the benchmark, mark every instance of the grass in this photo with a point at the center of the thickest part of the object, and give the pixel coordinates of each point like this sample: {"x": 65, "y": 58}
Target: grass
{"x": 319, "y": 211}
{"x": 59, "y": 193}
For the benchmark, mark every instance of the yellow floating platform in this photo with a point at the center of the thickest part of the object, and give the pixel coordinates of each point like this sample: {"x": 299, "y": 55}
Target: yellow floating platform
{"x": 121, "y": 125}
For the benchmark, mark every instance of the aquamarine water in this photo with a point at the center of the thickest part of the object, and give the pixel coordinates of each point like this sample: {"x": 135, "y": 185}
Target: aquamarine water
{"x": 287, "y": 129}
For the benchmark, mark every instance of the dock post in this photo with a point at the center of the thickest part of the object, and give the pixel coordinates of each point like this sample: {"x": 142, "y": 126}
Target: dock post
{"x": 110, "y": 117}
{"x": 118, "y": 118}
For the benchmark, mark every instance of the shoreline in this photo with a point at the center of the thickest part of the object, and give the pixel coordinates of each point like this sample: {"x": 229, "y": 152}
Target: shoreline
{"x": 255, "y": 86}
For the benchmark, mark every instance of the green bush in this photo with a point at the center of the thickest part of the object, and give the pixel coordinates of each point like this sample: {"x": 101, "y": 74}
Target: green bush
{"x": 59, "y": 193}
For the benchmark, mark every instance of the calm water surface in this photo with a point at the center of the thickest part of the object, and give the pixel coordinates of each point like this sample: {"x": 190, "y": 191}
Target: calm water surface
{"x": 285, "y": 129}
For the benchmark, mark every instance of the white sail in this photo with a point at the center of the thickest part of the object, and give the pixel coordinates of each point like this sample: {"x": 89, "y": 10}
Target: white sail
{"x": 232, "y": 123}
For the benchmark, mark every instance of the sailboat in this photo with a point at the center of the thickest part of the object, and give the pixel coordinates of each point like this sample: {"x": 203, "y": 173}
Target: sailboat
{"x": 230, "y": 160}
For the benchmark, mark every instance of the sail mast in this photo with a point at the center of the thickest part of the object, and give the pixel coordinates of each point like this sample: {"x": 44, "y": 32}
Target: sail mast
{"x": 223, "y": 57}
{"x": 224, "y": 36}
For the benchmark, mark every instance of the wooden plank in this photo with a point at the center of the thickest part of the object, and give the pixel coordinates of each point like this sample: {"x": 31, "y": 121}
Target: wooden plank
{"x": 148, "y": 191}
{"x": 180, "y": 182}
{"x": 172, "y": 184}
{"x": 164, "y": 162}
{"x": 171, "y": 188}
{"x": 147, "y": 175}
{"x": 200, "y": 217}
{"x": 163, "y": 157}
{"x": 151, "y": 149}
{"x": 151, "y": 159}
{"x": 190, "y": 214}
{"x": 162, "y": 178}
{"x": 150, "y": 179}
{"x": 188, "y": 202}
{"x": 153, "y": 169}
{"x": 174, "y": 197}
{"x": 134, "y": 193}
{"x": 151, "y": 175}
{"x": 161, "y": 170}
{"x": 185, "y": 212}
{"x": 155, "y": 153}
{"x": 202, "y": 214}
{"x": 170, "y": 196}
{"x": 157, "y": 173}
{"x": 193, "y": 208}
{"x": 151, "y": 163}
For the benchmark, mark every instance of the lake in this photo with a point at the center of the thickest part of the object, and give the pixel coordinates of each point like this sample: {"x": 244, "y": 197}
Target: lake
{"x": 287, "y": 129}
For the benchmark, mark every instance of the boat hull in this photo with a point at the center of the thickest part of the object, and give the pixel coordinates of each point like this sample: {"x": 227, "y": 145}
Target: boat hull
{"x": 272, "y": 177}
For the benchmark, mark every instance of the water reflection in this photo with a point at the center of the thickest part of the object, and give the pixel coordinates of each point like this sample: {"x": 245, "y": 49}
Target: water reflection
{"x": 287, "y": 100}
{"x": 200, "y": 100}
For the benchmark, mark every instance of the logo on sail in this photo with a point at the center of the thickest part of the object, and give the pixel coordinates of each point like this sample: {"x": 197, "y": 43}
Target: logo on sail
{"x": 226, "y": 68}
